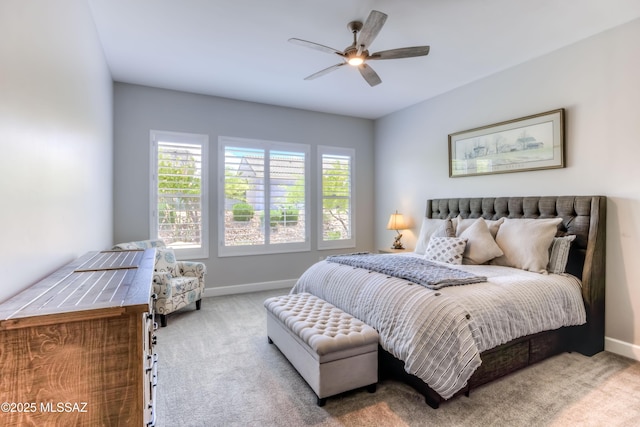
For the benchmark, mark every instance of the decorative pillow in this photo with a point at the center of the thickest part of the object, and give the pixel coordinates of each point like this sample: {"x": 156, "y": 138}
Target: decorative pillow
{"x": 525, "y": 243}
{"x": 432, "y": 227}
{"x": 463, "y": 224}
{"x": 446, "y": 249}
{"x": 166, "y": 262}
{"x": 481, "y": 247}
{"x": 559, "y": 254}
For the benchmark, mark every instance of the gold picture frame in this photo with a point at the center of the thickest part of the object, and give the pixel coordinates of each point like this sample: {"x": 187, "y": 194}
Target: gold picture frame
{"x": 525, "y": 144}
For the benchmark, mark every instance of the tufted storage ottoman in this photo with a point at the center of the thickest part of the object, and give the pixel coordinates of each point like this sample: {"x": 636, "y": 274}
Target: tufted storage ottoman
{"x": 332, "y": 350}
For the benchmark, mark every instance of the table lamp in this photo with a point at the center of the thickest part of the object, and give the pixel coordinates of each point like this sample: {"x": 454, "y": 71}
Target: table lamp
{"x": 396, "y": 222}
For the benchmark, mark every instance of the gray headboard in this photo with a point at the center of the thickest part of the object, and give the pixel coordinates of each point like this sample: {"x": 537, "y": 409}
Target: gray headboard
{"x": 584, "y": 216}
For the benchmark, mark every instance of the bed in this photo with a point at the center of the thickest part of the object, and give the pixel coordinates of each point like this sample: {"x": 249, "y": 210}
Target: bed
{"x": 469, "y": 345}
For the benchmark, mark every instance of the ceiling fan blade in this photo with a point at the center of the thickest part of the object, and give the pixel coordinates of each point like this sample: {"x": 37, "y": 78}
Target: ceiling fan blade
{"x": 371, "y": 28}
{"x": 403, "y": 52}
{"x": 369, "y": 75}
{"x": 315, "y": 46}
{"x": 325, "y": 71}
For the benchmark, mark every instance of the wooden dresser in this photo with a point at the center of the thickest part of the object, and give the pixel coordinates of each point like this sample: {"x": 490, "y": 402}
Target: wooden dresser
{"x": 77, "y": 347}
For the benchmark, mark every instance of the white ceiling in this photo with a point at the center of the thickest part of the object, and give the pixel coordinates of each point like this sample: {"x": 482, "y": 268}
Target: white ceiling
{"x": 238, "y": 48}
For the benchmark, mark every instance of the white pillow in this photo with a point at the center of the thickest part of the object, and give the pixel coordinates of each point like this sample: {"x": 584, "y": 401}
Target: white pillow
{"x": 481, "y": 247}
{"x": 525, "y": 243}
{"x": 463, "y": 224}
{"x": 559, "y": 254}
{"x": 432, "y": 227}
{"x": 446, "y": 249}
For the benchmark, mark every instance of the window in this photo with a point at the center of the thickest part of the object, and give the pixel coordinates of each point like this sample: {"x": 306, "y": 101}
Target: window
{"x": 263, "y": 197}
{"x": 179, "y": 192}
{"x": 336, "y": 193}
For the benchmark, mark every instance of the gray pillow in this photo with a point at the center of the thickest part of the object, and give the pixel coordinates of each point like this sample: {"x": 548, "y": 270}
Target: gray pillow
{"x": 559, "y": 254}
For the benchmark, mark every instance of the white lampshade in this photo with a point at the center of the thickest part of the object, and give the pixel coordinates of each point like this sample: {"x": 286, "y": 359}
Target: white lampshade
{"x": 396, "y": 222}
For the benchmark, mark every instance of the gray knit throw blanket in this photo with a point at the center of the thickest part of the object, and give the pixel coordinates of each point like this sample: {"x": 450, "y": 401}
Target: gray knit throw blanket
{"x": 415, "y": 270}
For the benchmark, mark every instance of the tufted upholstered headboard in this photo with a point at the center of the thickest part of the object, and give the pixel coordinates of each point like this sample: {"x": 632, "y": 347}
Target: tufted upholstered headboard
{"x": 584, "y": 216}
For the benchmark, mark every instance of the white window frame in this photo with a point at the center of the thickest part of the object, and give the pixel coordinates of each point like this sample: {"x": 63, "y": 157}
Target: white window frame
{"x": 186, "y": 138}
{"x": 341, "y": 243}
{"x": 267, "y": 248}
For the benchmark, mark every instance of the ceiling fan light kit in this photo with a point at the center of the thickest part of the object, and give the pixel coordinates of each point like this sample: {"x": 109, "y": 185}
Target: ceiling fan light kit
{"x": 355, "y": 61}
{"x": 357, "y": 53}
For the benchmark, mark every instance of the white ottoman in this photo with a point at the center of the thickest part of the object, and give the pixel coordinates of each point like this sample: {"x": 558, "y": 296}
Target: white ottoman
{"x": 333, "y": 351}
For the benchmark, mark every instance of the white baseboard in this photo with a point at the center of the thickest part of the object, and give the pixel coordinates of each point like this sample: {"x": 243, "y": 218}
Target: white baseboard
{"x": 251, "y": 287}
{"x": 622, "y": 348}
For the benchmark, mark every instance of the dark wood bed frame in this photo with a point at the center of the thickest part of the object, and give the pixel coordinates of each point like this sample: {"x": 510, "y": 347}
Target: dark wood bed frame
{"x": 583, "y": 216}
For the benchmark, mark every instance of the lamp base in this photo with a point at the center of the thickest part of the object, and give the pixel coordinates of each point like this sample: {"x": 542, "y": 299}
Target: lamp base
{"x": 397, "y": 244}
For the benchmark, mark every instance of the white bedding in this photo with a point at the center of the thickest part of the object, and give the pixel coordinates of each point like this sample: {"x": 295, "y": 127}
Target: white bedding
{"x": 439, "y": 334}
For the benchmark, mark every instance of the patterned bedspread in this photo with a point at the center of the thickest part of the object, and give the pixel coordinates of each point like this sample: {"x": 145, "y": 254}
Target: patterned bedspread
{"x": 439, "y": 334}
{"x": 430, "y": 274}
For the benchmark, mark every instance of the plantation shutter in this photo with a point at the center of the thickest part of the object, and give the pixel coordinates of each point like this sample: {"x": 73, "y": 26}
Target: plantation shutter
{"x": 179, "y": 203}
{"x": 287, "y": 195}
{"x": 244, "y": 187}
{"x": 264, "y": 197}
{"x": 336, "y": 198}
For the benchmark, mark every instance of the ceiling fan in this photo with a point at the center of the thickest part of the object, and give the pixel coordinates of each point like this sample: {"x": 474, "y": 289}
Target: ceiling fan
{"x": 357, "y": 53}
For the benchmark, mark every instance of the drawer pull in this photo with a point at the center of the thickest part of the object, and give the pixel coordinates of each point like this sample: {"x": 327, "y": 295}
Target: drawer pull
{"x": 152, "y": 421}
{"x": 153, "y": 361}
{"x": 152, "y": 406}
{"x": 154, "y": 378}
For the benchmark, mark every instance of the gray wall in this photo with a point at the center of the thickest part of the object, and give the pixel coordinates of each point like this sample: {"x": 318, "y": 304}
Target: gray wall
{"x": 597, "y": 82}
{"x": 139, "y": 109}
{"x": 56, "y": 136}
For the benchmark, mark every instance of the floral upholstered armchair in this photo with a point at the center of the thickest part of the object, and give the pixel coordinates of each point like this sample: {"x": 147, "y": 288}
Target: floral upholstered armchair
{"x": 175, "y": 283}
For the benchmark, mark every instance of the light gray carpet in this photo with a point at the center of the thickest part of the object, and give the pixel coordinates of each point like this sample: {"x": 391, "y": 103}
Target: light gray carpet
{"x": 217, "y": 369}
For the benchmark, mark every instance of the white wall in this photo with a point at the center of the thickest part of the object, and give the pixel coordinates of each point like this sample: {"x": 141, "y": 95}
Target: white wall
{"x": 56, "y": 138}
{"x": 597, "y": 82}
{"x": 139, "y": 109}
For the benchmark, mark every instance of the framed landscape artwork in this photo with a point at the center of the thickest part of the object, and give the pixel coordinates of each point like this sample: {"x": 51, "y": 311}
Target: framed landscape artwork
{"x": 525, "y": 144}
